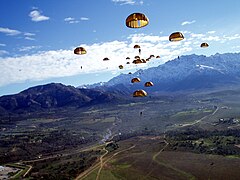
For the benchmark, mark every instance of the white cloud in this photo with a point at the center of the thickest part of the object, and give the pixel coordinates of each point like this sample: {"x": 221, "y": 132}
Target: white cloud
{"x": 10, "y": 32}
{"x": 36, "y": 16}
{"x": 211, "y": 32}
{"x": 122, "y": 2}
{"x": 29, "y": 34}
{"x": 2, "y": 44}
{"x": 61, "y": 63}
{"x": 236, "y": 47}
{"x": 71, "y": 20}
{"x": 234, "y": 37}
{"x": 29, "y": 38}
{"x": 84, "y": 18}
{"x": 139, "y": 38}
{"x": 2, "y": 52}
{"x": 28, "y": 48}
{"x": 187, "y": 22}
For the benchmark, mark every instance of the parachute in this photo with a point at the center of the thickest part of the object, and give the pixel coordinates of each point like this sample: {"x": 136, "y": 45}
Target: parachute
{"x": 176, "y": 36}
{"x": 136, "y": 20}
{"x": 148, "y": 84}
{"x": 136, "y": 46}
{"x": 134, "y": 80}
{"x": 137, "y": 61}
{"x": 137, "y": 57}
{"x": 80, "y": 51}
{"x": 105, "y": 59}
{"x": 151, "y": 56}
{"x": 139, "y": 93}
{"x": 204, "y": 45}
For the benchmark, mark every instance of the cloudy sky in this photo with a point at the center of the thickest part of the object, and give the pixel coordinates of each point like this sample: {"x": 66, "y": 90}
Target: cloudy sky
{"x": 37, "y": 37}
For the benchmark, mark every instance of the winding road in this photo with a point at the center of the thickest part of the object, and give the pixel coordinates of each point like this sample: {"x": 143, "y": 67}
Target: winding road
{"x": 100, "y": 164}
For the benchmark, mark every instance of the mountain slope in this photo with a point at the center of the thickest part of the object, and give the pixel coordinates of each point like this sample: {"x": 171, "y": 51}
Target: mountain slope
{"x": 192, "y": 72}
{"x": 52, "y": 95}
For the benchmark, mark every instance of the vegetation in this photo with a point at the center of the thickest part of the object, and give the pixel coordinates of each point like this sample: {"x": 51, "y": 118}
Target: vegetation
{"x": 207, "y": 142}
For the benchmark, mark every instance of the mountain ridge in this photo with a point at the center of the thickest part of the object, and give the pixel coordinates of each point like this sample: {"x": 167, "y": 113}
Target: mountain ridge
{"x": 53, "y": 95}
{"x": 175, "y": 75}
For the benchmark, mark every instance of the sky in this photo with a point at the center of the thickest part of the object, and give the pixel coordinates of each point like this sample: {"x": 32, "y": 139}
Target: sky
{"x": 38, "y": 37}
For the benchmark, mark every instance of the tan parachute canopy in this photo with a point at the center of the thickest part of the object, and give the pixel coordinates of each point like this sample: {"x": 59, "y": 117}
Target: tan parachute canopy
{"x": 204, "y": 45}
{"x": 148, "y": 84}
{"x": 176, "y": 36}
{"x": 137, "y": 57}
{"x": 120, "y": 66}
{"x": 80, "y": 51}
{"x": 134, "y": 80}
{"x": 136, "y": 20}
{"x": 139, "y": 93}
{"x": 137, "y": 61}
{"x": 136, "y": 46}
{"x": 105, "y": 59}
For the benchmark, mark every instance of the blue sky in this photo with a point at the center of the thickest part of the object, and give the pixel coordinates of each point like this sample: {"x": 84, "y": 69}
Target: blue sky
{"x": 37, "y": 37}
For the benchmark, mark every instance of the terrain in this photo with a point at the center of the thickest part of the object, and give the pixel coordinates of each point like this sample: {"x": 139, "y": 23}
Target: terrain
{"x": 74, "y": 140}
{"x": 55, "y": 131}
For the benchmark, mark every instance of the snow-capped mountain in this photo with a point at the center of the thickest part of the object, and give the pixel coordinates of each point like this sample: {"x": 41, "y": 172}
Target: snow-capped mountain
{"x": 185, "y": 72}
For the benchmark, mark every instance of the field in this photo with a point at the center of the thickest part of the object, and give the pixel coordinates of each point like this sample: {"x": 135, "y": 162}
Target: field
{"x": 73, "y": 142}
{"x": 151, "y": 159}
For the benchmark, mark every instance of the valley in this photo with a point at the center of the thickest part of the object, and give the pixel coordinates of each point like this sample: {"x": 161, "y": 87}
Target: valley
{"x": 172, "y": 133}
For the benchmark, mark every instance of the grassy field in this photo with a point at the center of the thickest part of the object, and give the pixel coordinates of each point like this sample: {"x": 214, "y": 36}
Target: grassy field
{"x": 150, "y": 160}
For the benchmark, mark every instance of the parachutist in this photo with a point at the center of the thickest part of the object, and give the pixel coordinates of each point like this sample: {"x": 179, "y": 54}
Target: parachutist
{"x": 80, "y": 51}
{"x": 176, "y": 36}
{"x": 136, "y": 20}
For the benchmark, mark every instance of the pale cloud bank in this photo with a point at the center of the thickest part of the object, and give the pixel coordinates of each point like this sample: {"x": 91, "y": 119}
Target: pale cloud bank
{"x": 62, "y": 62}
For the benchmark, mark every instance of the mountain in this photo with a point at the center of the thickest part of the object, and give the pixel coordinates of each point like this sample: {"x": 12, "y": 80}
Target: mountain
{"x": 191, "y": 72}
{"x": 54, "y": 95}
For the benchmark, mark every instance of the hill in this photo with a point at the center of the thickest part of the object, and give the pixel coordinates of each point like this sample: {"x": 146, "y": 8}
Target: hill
{"x": 54, "y": 95}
